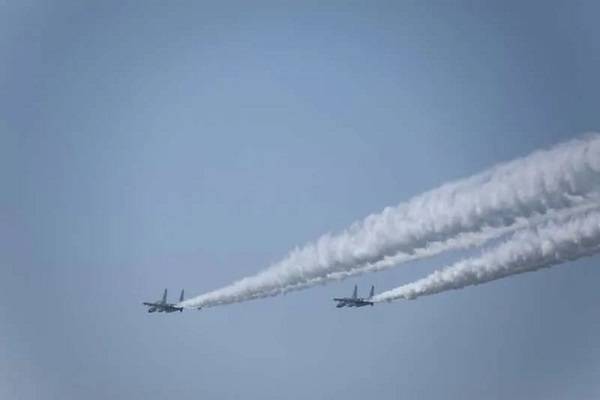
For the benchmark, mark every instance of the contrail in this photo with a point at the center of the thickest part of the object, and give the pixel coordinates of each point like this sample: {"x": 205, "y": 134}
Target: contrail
{"x": 456, "y": 215}
{"x": 549, "y": 244}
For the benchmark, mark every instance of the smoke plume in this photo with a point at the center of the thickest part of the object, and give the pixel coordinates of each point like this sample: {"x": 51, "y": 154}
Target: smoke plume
{"x": 551, "y": 243}
{"x": 456, "y": 215}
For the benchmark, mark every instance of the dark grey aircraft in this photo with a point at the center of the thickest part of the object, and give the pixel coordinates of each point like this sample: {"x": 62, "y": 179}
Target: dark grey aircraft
{"x": 163, "y": 306}
{"x": 355, "y": 301}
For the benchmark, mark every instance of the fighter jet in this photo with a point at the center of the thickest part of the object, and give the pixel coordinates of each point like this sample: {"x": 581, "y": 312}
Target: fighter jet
{"x": 355, "y": 301}
{"x": 162, "y": 305}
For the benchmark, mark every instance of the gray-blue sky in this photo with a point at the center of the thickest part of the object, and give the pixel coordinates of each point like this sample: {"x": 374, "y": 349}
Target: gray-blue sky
{"x": 191, "y": 144}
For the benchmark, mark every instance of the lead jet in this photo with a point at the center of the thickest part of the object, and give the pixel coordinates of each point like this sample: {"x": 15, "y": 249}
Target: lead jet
{"x": 163, "y": 306}
{"x": 355, "y": 301}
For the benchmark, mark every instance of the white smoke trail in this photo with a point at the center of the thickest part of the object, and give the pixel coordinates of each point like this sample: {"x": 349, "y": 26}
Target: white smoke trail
{"x": 548, "y": 244}
{"x": 456, "y": 215}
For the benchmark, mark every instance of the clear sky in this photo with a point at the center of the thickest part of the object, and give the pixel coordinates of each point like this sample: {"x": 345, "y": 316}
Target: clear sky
{"x": 157, "y": 144}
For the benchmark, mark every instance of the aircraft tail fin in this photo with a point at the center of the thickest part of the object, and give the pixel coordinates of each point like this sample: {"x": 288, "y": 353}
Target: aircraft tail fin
{"x": 181, "y": 296}
{"x": 372, "y": 292}
{"x": 164, "y": 298}
{"x": 355, "y": 293}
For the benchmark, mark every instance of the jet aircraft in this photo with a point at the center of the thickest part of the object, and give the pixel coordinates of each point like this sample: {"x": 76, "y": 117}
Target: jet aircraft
{"x": 355, "y": 301}
{"x": 162, "y": 305}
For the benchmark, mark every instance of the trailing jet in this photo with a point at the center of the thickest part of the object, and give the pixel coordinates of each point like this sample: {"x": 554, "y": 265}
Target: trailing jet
{"x": 163, "y": 306}
{"x": 355, "y": 301}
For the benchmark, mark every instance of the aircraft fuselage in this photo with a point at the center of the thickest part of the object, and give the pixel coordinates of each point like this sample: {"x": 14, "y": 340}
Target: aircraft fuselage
{"x": 349, "y": 302}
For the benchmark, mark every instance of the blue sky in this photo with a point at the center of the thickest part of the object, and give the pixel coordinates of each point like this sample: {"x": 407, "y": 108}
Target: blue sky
{"x": 190, "y": 144}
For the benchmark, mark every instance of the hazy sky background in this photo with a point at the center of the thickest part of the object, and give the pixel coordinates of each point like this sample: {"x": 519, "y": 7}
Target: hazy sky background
{"x": 160, "y": 144}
